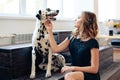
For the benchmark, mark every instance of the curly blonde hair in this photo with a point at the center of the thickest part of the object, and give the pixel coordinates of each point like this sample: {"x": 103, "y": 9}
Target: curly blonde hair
{"x": 89, "y": 23}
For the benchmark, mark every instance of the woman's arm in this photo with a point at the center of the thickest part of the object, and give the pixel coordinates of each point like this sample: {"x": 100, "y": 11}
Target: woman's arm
{"x": 55, "y": 48}
{"x": 58, "y": 48}
{"x": 90, "y": 69}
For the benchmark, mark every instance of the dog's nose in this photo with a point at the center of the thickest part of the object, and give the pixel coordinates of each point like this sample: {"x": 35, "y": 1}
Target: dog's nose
{"x": 57, "y": 11}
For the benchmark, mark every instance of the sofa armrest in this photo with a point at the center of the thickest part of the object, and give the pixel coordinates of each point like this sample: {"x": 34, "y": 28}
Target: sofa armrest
{"x": 105, "y": 57}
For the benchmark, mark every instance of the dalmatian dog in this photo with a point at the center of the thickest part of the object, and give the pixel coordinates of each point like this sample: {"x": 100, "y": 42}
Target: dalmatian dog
{"x": 41, "y": 45}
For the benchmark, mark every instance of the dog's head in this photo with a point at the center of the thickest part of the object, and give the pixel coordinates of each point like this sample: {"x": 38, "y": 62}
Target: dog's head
{"x": 44, "y": 14}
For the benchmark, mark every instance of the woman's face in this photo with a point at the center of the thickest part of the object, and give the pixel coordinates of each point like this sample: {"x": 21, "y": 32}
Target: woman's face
{"x": 78, "y": 22}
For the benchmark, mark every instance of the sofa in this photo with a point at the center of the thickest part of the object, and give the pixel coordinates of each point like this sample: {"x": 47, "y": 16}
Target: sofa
{"x": 17, "y": 58}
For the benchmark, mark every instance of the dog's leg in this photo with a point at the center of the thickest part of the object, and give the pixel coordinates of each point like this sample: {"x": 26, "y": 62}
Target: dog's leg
{"x": 34, "y": 43}
{"x": 58, "y": 60}
{"x": 32, "y": 75}
{"x": 48, "y": 73}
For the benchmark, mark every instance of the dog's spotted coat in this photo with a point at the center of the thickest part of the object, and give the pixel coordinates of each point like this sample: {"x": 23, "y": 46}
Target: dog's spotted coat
{"x": 41, "y": 45}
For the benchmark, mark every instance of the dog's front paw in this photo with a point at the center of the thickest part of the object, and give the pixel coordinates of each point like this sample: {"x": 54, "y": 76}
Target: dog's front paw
{"x": 48, "y": 75}
{"x": 32, "y": 76}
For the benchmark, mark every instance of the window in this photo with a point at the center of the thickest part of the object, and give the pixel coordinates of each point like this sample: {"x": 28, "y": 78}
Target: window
{"x": 57, "y": 6}
{"x": 9, "y": 6}
{"x": 32, "y": 6}
{"x": 19, "y": 7}
{"x": 106, "y": 10}
{"x": 71, "y": 8}
{"x": 68, "y": 8}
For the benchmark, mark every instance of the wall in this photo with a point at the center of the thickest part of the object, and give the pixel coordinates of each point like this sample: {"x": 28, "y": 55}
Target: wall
{"x": 10, "y": 26}
{"x": 26, "y": 25}
{"x": 117, "y": 9}
{"x": 18, "y": 26}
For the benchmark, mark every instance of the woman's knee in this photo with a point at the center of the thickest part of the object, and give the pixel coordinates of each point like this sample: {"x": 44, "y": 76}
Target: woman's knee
{"x": 74, "y": 76}
{"x": 68, "y": 76}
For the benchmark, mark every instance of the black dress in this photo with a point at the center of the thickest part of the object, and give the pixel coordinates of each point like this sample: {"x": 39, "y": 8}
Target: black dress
{"x": 81, "y": 55}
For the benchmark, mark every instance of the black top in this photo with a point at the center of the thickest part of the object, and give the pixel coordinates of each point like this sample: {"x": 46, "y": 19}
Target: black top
{"x": 81, "y": 55}
{"x": 81, "y": 51}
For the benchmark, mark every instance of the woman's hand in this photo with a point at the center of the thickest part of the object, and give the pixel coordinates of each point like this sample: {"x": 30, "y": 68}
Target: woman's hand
{"x": 48, "y": 25}
{"x": 67, "y": 69}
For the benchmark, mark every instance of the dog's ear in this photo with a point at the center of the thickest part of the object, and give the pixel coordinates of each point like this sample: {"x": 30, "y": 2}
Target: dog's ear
{"x": 39, "y": 11}
{"x": 48, "y": 9}
{"x": 38, "y": 16}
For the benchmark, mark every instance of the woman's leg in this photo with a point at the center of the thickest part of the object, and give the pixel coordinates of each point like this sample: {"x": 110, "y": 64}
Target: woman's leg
{"x": 74, "y": 76}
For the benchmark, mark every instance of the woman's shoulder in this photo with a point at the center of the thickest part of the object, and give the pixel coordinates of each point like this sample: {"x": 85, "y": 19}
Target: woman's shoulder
{"x": 93, "y": 43}
{"x": 93, "y": 40}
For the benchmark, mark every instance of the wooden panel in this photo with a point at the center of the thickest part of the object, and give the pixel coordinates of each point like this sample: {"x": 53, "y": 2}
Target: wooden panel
{"x": 17, "y": 58}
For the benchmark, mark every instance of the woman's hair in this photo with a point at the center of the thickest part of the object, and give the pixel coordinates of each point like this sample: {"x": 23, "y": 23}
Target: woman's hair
{"x": 89, "y": 24}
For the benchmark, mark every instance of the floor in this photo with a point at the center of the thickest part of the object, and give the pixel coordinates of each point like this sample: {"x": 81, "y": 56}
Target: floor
{"x": 112, "y": 72}
{"x": 116, "y": 58}
{"x": 116, "y": 55}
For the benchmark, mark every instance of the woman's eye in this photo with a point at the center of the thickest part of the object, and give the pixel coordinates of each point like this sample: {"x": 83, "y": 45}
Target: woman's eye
{"x": 77, "y": 18}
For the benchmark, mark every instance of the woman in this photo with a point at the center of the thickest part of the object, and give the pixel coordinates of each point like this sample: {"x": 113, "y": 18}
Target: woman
{"x": 83, "y": 47}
